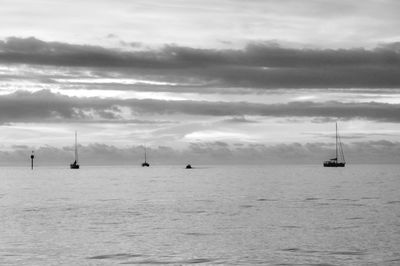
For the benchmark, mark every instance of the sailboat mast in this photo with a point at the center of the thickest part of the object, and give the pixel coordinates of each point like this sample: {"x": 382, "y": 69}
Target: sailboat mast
{"x": 336, "y": 143}
{"x": 76, "y": 147}
{"x": 145, "y": 156}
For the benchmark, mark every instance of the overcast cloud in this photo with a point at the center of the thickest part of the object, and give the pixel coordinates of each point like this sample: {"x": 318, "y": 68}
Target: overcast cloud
{"x": 44, "y": 105}
{"x": 258, "y": 65}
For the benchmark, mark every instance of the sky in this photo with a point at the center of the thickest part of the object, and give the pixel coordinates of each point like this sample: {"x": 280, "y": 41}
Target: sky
{"x": 201, "y": 82}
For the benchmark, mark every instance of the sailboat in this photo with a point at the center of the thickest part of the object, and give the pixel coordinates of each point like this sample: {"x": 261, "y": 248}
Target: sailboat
{"x": 75, "y": 164}
{"x": 339, "y": 160}
{"x": 145, "y": 164}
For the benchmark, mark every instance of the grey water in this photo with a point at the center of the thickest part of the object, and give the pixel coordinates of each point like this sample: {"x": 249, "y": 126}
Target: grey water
{"x": 233, "y": 215}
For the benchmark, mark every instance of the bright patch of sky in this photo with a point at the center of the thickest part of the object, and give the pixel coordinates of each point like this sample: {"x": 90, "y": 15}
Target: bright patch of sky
{"x": 206, "y": 23}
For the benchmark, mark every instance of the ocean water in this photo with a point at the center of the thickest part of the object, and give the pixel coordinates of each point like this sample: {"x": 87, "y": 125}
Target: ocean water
{"x": 230, "y": 215}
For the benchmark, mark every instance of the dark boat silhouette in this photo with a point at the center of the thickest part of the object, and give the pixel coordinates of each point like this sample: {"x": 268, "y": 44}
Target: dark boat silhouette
{"x": 145, "y": 164}
{"x": 75, "y": 164}
{"x": 188, "y": 166}
{"x": 339, "y": 160}
{"x": 32, "y": 157}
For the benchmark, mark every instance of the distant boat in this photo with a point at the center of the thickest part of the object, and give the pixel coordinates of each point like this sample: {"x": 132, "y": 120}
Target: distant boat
{"x": 339, "y": 160}
{"x": 75, "y": 164}
{"x": 32, "y": 157}
{"x": 188, "y": 166}
{"x": 145, "y": 164}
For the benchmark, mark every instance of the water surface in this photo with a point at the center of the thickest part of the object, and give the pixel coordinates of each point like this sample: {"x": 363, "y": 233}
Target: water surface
{"x": 269, "y": 215}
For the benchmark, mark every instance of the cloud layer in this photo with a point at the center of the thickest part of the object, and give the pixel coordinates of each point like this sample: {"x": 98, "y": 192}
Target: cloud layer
{"x": 262, "y": 65}
{"x": 53, "y": 107}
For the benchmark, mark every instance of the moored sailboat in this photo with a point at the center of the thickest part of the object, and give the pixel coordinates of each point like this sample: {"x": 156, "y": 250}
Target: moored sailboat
{"x": 145, "y": 164}
{"x": 339, "y": 160}
{"x": 75, "y": 164}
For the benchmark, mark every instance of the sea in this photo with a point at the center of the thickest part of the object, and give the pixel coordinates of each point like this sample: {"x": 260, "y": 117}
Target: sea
{"x": 209, "y": 215}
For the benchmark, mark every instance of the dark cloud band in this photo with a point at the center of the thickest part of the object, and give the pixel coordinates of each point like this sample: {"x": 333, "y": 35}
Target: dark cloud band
{"x": 258, "y": 65}
{"x": 47, "y": 106}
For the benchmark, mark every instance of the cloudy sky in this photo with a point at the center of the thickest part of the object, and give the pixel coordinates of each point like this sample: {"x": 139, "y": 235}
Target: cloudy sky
{"x": 260, "y": 81}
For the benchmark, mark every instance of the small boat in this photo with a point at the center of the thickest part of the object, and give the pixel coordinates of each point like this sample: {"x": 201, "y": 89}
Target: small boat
{"x": 32, "y": 157}
{"x": 339, "y": 160}
{"x": 145, "y": 164}
{"x": 75, "y": 164}
{"x": 188, "y": 166}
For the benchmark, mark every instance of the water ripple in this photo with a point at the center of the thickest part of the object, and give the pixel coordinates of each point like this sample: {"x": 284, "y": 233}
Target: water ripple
{"x": 195, "y": 234}
{"x": 300, "y": 250}
{"x": 345, "y": 227}
{"x": 193, "y": 212}
{"x": 246, "y": 206}
{"x": 118, "y": 256}
{"x": 163, "y": 262}
{"x": 33, "y": 209}
{"x": 347, "y": 253}
{"x": 369, "y": 198}
{"x": 312, "y": 198}
{"x": 308, "y": 264}
{"x": 354, "y": 218}
{"x": 393, "y": 202}
{"x": 394, "y": 260}
{"x": 263, "y": 199}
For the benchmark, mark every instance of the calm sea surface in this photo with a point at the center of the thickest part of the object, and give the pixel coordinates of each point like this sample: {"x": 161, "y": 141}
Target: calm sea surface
{"x": 243, "y": 215}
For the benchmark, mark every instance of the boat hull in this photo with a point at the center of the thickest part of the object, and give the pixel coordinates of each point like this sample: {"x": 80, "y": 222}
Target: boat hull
{"x": 145, "y": 164}
{"x": 334, "y": 164}
{"x": 74, "y": 166}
